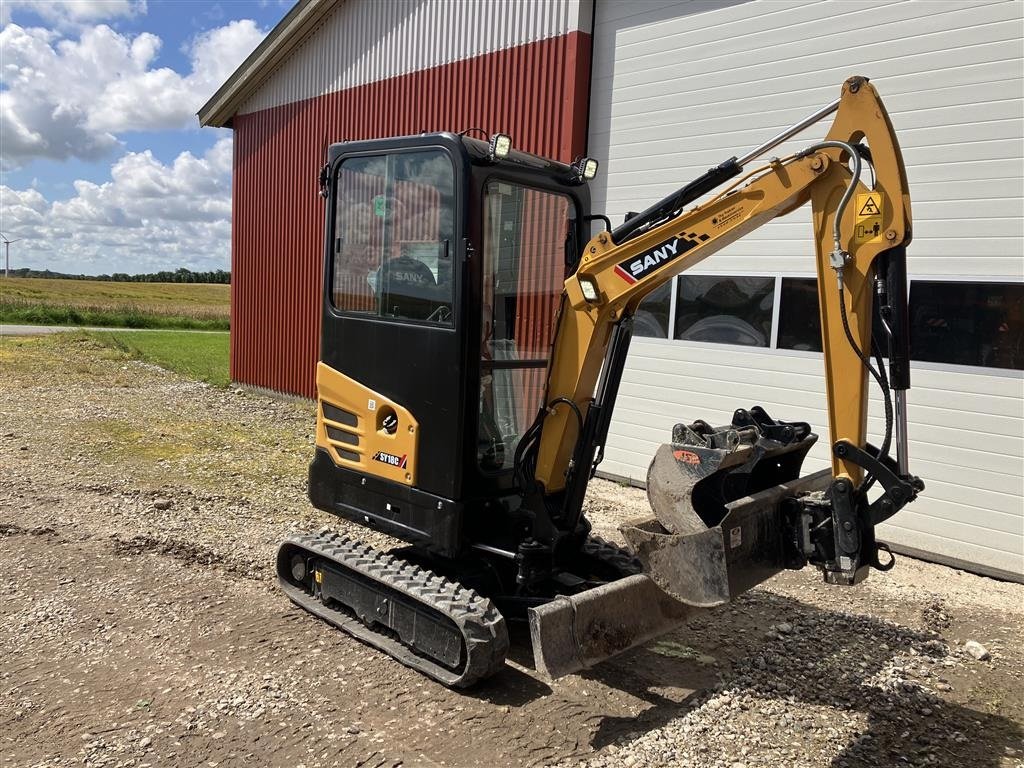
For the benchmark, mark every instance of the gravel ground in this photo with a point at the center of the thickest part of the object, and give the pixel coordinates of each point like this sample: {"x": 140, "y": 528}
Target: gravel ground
{"x": 140, "y": 624}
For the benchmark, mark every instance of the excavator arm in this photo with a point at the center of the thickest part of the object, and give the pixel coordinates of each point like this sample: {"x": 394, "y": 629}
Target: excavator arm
{"x": 861, "y": 224}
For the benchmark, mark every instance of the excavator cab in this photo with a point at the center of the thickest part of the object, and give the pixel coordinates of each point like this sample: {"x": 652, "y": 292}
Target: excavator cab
{"x": 474, "y": 333}
{"x": 443, "y": 274}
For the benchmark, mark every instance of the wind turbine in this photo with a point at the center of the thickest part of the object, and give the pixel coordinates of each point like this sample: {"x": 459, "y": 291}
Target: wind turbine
{"x": 7, "y": 249}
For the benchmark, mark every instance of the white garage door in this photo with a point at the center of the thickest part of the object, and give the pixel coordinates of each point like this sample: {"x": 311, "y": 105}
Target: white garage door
{"x": 681, "y": 86}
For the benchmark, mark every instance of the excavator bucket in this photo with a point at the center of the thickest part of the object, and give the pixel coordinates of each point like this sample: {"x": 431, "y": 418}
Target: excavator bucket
{"x": 719, "y": 528}
{"x": 713, "y": 566}
{"x": 690, "y": 482}
{"x": 716, "y": 494}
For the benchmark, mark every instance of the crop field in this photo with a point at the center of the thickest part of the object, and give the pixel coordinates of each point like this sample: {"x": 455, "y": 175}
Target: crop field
{"x": 41, "y": 301}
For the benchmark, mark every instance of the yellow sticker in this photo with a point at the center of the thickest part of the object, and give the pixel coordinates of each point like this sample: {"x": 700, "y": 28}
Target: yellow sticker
{"x": 318, "y": 576}
{"x": 869, "y": 218}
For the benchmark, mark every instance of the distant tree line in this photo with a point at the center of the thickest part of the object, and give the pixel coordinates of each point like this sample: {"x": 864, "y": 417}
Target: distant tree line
{"x": 180, "y": 275}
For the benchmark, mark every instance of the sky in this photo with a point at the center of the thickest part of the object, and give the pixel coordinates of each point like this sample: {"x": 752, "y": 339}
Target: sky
{"x": 103, "y": 165}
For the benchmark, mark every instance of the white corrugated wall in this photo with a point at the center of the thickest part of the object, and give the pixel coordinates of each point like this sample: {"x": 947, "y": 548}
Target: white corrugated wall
{"x": 680, "y": 86}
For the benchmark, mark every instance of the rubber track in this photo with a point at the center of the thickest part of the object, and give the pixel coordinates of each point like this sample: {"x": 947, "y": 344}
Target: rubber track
{"x": 620, "y": 558}
{"x": 484, "y": 634}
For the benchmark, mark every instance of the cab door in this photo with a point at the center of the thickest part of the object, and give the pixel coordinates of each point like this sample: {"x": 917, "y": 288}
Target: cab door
{"x": 393, "y": 277}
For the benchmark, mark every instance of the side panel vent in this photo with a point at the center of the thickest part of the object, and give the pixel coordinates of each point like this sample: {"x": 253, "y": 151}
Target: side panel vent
{"x": 339, "y": 415}
{"x": 363, "y": 430}
{"x": 341, "y": 436}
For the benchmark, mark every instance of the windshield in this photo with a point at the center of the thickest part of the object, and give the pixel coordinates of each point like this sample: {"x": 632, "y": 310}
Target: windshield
{"x": 524, "y": 268}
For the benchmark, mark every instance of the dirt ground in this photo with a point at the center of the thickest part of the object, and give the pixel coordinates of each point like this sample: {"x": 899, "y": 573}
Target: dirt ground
{"x": 140, "y": 624}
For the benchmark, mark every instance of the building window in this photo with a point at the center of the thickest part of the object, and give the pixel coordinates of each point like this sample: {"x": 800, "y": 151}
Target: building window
{"x": 392, "y": 236}
{"x": 725, "y": 310}
{"x": 967, "y": 323}
{"x": 651, "y": 319}
{"x": 799, "y": 317}
{"x": 962, "y": 323}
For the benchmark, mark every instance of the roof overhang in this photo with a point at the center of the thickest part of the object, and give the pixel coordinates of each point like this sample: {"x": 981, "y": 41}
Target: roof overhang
{"x": 269, "y": 54}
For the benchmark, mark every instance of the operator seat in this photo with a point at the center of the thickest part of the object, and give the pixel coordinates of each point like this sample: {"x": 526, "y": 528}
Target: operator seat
{"x": 409, "y": 289}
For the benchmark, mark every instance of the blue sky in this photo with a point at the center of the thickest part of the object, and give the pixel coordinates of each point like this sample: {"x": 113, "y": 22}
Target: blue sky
{"x": 104, "y": 166}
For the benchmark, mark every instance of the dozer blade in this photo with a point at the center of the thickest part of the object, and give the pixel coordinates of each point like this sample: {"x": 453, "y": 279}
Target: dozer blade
{"x": 576, "y": 632}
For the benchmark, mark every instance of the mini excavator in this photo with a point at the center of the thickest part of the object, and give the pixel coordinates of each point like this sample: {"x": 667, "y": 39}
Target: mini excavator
{"x": 474, "y": 336}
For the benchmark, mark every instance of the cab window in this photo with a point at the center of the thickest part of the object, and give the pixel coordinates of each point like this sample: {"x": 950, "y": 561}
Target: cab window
{"x": 524, "y": 264}
{"x": 393, "y": 236}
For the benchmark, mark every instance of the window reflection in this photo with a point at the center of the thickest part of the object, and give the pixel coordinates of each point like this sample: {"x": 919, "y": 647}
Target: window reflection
{"x": 967, "y": 323}
{"x": 394, "y": 221}
{"x": 725, "y": 310}
{"x": 799, "y": 318}
{"x": 524, "y": 257}
{"x": 651, "y": 319}
{"x": 957, "y": 322}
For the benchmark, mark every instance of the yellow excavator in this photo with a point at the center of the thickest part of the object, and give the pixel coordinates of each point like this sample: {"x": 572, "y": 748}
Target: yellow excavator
{"x": 474, "y": 336}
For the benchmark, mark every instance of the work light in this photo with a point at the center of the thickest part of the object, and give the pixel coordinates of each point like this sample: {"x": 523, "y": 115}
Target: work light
{"x": 589, "y": 288}
{"x": 585, "y": 168}
{"x": 500, "y": 146}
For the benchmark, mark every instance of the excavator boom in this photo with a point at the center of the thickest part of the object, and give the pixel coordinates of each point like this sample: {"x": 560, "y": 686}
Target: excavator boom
{"x": 621, "y": 268}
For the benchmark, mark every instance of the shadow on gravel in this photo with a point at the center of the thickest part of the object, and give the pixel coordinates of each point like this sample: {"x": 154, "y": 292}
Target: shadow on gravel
{"x": 847, "y": 662}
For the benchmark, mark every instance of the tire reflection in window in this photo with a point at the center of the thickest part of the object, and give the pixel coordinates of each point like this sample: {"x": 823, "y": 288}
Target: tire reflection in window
{"x": 725, "y": 310}
{"x": 651, "y": 318}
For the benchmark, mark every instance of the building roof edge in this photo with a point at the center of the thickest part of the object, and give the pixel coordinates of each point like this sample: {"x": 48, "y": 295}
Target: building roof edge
{"x": 275, "y": 47}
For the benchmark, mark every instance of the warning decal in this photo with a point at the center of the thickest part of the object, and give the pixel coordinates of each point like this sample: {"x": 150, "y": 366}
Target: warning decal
{"x": 870, "y": 206}
{"x": 869, "y": 218}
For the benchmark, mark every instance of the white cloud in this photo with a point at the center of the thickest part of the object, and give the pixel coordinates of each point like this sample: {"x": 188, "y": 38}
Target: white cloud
{"x": 153, "y": 99}
{"x": 21, "y": 209}
{"x": 70, "y": 12}
{"x": 149, "y": 216}
{"x": 68, "y": 98}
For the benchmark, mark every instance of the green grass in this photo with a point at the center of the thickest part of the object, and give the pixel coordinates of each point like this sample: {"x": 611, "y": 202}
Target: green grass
{"x": 46, "y": 314}
{"x": 37, "y": 301}
{"x": 201, "y": 356}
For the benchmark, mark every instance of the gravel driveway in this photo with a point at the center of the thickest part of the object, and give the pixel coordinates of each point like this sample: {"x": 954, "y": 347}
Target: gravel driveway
{"x": 140, "y": 624}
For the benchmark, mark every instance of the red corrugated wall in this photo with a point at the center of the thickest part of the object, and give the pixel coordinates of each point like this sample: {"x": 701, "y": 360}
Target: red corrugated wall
{"x": 537, "y": 93}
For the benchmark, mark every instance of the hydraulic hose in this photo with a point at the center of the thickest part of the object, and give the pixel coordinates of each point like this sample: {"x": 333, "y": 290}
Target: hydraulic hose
{"x": 840, "y": 256}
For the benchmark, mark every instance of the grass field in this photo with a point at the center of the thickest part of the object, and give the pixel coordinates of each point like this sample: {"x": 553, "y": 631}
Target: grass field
{"x": 202, "y": 356}
{"x": 39, "y": 301}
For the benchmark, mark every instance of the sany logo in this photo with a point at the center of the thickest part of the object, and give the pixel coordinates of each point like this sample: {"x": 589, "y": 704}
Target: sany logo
{"x": 391, "y": 459}
{"x": 654, "y": 258}
{"x": 640, "y": 266}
